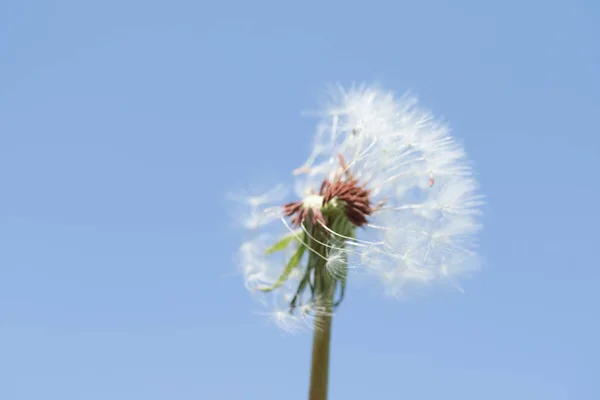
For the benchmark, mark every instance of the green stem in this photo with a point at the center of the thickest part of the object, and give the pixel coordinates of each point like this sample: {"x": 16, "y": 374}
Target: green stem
{"x": 323, "y": 294}
{"x": 319, "y": 374}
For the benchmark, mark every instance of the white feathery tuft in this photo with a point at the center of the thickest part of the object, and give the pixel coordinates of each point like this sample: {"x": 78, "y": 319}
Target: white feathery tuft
{"x": 427, "y": 227}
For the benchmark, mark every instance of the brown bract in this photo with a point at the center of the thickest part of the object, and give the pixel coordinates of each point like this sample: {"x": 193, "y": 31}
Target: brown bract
{"x": 345, "y": 189}
{"x": 299, "y": 213}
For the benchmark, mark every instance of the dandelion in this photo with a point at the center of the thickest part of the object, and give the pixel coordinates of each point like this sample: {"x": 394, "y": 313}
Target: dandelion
{"x": 387, "y": 190}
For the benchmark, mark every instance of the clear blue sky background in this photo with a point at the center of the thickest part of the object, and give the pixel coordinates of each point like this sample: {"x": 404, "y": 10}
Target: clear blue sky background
{"x": 123, "y": 124}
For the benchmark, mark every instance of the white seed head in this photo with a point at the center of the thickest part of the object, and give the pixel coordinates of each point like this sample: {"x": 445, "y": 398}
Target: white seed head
{"x": 424, "y": 229}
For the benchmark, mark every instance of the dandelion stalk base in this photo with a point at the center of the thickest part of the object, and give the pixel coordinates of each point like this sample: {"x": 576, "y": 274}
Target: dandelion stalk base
{"x": 319, "y": 375}
{"x": 324, "y": 289}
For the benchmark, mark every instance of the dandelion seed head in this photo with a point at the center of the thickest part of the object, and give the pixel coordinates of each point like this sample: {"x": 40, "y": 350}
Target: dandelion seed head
{"x": 385, "y": 189}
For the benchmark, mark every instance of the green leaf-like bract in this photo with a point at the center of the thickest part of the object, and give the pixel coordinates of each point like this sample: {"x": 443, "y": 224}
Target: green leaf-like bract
{"x": 292, "y": 263}
{"x": 283, "y": 243}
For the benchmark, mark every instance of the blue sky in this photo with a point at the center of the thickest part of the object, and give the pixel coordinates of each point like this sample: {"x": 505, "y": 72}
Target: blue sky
{"x": 123, "y": 124}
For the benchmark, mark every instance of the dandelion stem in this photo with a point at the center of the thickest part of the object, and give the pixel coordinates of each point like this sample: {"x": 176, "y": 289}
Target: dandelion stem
{"x": 324, "y": 291}
{"x": 319, "y": 374}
